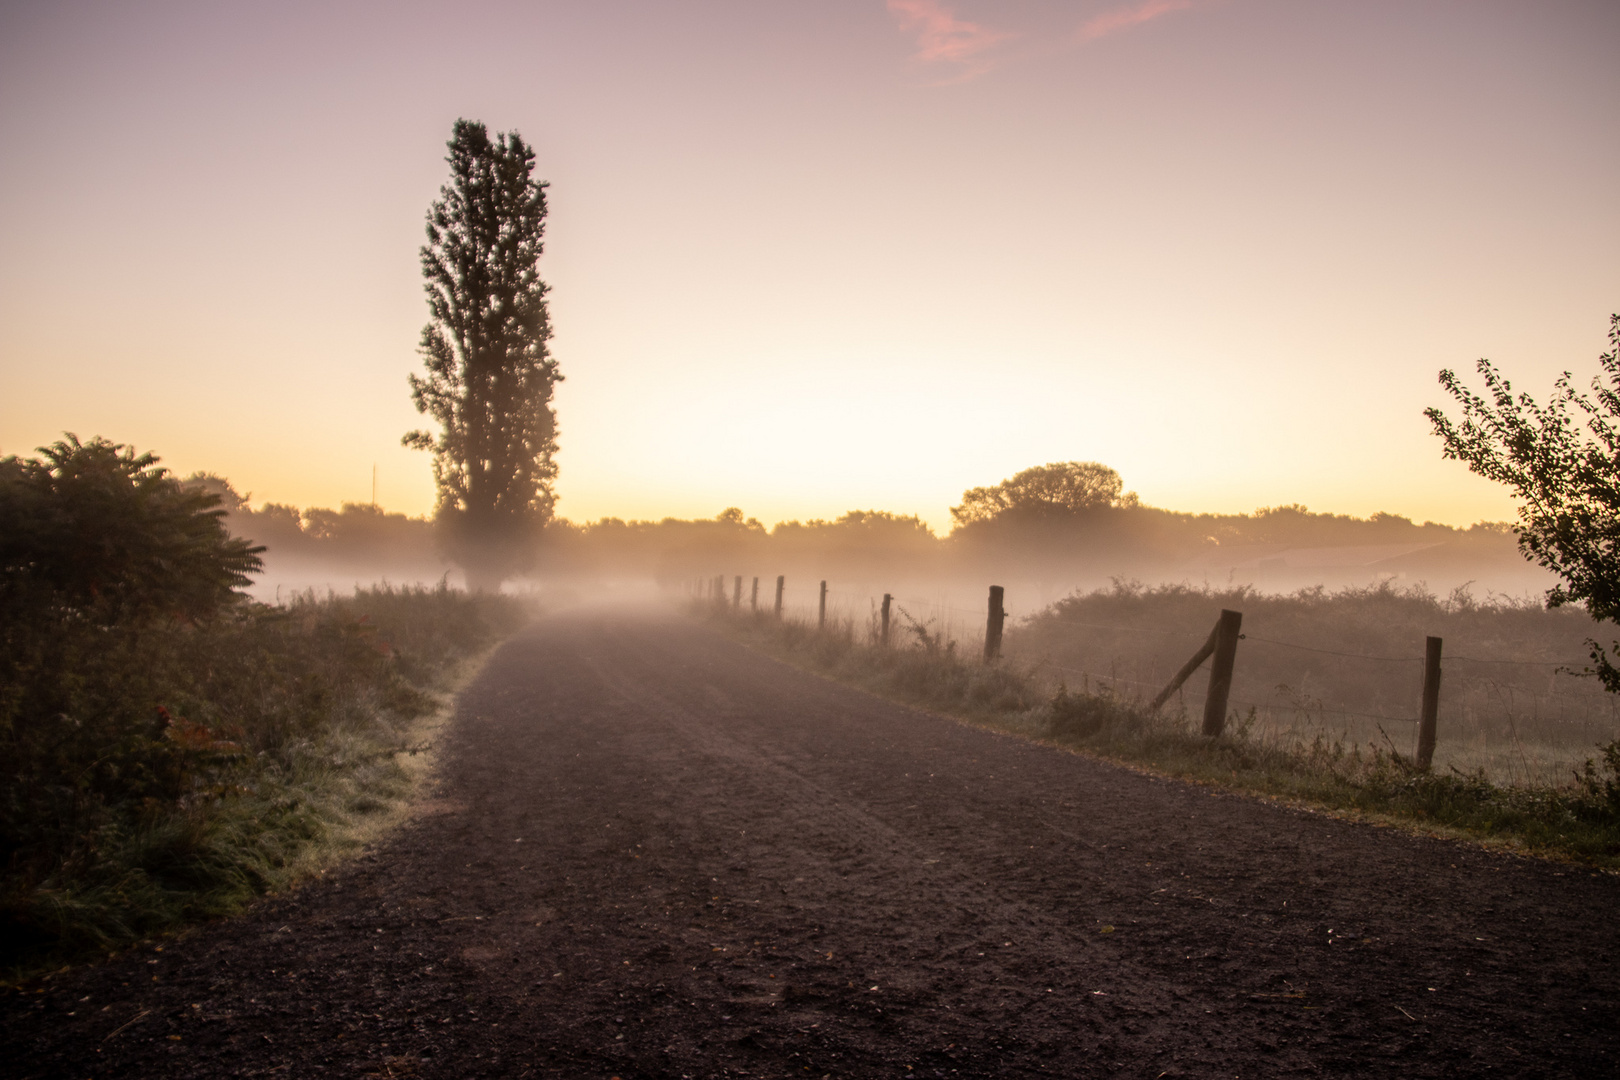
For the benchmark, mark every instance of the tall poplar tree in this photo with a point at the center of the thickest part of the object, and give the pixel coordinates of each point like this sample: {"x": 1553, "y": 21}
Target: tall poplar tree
{"x": 489, "y": 374}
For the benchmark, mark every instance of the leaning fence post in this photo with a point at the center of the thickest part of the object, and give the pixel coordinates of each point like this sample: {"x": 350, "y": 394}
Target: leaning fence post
{"x": 821, "y": 617}
{"x": 1220, "y": 672}
{"x": 992, "y": 626}
{"x": 753, "y": 597}
{"x": 1186, "y": 671}
{"x": 736, "y": 593}
{"x": 780, "y": 578}
{"x": 1431, "y": 703}
{"x": 883, "y": 632}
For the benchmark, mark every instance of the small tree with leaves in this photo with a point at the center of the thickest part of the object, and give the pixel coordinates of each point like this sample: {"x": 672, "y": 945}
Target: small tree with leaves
{"x": 490, "y": 374}
{"x": 1562, "y": 462}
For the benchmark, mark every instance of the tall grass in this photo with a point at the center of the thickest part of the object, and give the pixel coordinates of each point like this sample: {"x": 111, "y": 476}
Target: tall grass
{"x": 1028, "y": 695}
{"x": 1347, "y": 666}
{"x": 166, "y": 774}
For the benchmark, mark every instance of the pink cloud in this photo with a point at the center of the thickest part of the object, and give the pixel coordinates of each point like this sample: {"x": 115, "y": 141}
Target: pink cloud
{"x": 943, "y": 38}
{"x": 1124, "y": 18}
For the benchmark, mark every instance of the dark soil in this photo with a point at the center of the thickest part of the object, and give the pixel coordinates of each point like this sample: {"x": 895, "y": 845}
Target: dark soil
{"x": 657, "y": 854}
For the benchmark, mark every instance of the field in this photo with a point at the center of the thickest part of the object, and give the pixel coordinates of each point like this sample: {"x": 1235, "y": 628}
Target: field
{"x": 1347, "y": 666}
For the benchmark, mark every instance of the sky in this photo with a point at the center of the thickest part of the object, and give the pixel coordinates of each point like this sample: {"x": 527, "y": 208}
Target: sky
{"x": 812, "y": 257}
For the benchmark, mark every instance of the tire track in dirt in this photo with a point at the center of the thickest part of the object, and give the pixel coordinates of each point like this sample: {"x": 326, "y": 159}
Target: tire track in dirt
{"x": 656, "y": 854}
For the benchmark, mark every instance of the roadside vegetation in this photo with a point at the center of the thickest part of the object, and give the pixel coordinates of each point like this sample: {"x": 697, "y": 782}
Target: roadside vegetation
{"x": 1347, "y": 665}
{"x": 170, "y": 749}
{"x": 1025, "y": 694}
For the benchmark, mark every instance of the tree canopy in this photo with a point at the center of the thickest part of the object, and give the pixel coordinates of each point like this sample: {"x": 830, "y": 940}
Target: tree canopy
{"x": 94, "y": 530}
{"x": 1562, "y": 461}
{"x": 1062, "y": 488}
{"x": 490, "y": 374}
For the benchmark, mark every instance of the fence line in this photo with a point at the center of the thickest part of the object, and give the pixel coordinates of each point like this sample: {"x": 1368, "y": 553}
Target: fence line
{"x": 954, "y": 623}
{"x": 1515, "y": 663}
{"x": 975, "y": 614}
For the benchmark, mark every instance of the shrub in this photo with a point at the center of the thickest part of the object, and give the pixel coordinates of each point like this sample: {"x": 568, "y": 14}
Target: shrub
{"x": 168, "y": 748}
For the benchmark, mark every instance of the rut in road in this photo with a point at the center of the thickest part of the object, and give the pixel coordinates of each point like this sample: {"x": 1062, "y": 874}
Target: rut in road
{"x": 654, "y": 853}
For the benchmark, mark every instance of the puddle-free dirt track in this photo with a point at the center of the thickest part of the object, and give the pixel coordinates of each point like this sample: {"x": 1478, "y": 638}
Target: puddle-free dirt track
{"x": 654, "y": 853}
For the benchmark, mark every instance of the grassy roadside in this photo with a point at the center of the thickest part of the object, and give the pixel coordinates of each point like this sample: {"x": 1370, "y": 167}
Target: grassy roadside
{"x": 180, "y": 773}
{"x": 1579, "y": 821}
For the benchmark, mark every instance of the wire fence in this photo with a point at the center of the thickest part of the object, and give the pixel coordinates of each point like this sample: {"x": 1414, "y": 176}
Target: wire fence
{"x": 1298, "y": 674}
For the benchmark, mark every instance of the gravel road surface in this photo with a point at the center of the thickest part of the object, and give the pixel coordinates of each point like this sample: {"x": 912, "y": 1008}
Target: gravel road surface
{"x": 654, "y": 853}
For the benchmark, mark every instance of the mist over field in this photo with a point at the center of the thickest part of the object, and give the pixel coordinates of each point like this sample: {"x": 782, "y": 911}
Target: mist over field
{"x": 1110, "y": 597}
{"x": 864, "y": 554}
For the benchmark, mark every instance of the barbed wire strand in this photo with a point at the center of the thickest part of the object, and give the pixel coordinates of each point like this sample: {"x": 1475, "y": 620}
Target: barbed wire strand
{"x": 1335, "y": 652}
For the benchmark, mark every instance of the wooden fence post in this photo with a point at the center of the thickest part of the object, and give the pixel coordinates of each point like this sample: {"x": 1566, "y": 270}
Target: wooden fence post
{"x": 993, "y": 624}
{"x": 736, "y": 594}
{"x": 883, "y": 632}
{"x": 780, "y": 579}
{"x": 753, "y": 597}
{"x": 1186, "y": 671}
{"x": 821, "y": 617}
{"x": 1220, "y": 672}
{"x": 1431, "y": 703}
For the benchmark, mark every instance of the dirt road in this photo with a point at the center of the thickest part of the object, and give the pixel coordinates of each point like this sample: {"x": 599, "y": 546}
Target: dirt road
{"x": 657, "y": 854}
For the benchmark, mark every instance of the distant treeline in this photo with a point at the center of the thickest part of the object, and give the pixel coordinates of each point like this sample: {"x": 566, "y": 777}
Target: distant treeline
{"x": 1064, "y": 520}
{"x": 1130, "y": 540}
{"x": 356, "y": 538}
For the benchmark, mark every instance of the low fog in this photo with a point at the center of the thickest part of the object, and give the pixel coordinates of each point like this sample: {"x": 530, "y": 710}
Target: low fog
{"x": 1038, "y": 558}
{"x": 1101, "y": 592}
